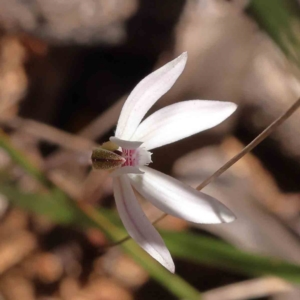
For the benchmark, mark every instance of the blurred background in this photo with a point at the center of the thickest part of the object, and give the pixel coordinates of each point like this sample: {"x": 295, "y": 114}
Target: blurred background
{"x": 66, "y": 67}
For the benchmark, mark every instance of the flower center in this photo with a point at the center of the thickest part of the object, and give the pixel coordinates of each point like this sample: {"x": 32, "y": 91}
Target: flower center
{"x": 131, "y": 156}
{"x": 136, "y": 157}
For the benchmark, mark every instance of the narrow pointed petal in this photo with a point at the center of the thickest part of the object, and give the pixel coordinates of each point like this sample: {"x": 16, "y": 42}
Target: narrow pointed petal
{"x": 137, "y": 224}
{"x": 145, "y": 94}
{"x": 178, "y": 199}
{"x": 181, "y": 120}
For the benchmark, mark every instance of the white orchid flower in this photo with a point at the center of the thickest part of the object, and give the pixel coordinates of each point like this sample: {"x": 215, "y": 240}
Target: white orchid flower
{"x": 128, "y": 154}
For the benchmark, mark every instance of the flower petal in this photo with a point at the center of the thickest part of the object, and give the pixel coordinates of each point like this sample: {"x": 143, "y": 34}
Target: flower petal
{"x": 146, "y": 93}
{"x": 178, "y": 199}
{"x": 125, "y": 144}
{"x": 125, "y": 170}
{"x": 137, "y": 224}
{"x": 180, "y": 120}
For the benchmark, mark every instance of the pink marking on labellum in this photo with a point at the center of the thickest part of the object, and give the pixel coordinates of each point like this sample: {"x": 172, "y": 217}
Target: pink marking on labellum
{"x": 131, "y": 156}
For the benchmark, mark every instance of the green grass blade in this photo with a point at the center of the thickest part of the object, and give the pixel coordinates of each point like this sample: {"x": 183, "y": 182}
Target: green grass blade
{"x": 184, "y": 245}
{"x": 280, "y": 19}
{"x": 209, "y": 251}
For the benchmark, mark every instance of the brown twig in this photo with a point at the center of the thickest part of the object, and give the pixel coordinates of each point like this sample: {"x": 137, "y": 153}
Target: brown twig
{"x": 250, "y": 146}
{"x": 50, "y": 134}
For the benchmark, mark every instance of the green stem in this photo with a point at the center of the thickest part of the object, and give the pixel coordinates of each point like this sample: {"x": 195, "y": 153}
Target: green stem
{"x": 280, "y": 19}
{"x": 22, "y": 160}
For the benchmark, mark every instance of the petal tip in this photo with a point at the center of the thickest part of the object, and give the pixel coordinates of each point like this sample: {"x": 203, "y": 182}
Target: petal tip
{"x": 172, "y": 269}
{"x": 184, "y": 54}
{"x": 233, "y": 106}
{"x": 182, "y": 57}
{"x": 169, "y": 265}
{"x": 230, "y": 107}
{"x": 227, "y": 216}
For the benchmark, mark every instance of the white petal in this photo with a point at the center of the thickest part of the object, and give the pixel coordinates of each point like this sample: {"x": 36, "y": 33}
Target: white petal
{"x": 181, "y": 120}
{"x": 125, "y": 144}
{"x": 145, "y": 94}
{"x": 137, "y": 224}
{"x": 125, "y": 170}
{"x": 178, "y": 199}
